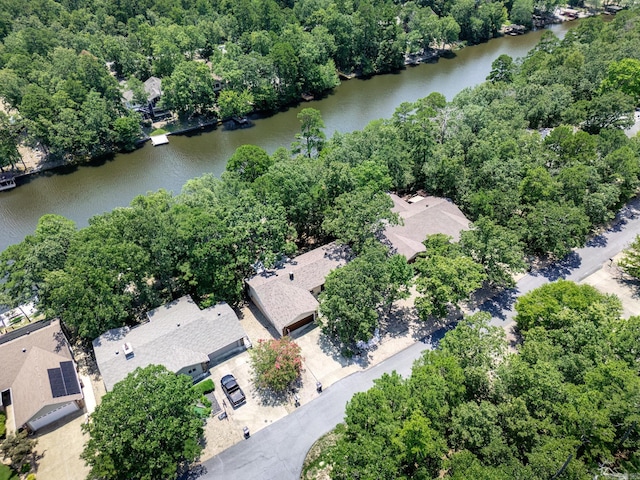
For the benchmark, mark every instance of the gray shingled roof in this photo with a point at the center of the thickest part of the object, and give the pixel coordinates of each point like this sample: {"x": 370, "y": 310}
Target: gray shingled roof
{"x": 427, "y": 216}
{"x": 177, "y": 335}
{"x": 152, "y": 86}
{"x": 282, "y": 299}
{"x": 25, "y": 359}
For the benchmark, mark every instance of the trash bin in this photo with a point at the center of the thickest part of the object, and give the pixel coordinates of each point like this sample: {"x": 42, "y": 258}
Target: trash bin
{"x": 318, "y": 387}
{"x": 245, "y": 430}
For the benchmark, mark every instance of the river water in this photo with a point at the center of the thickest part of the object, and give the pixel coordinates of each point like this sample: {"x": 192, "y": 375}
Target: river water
{"x": 81, "y": 192}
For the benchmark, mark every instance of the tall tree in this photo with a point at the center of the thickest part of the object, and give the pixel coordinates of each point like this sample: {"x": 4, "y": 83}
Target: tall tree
{"x": 497, "y": 248}
{"x": 359, "y": 216}
{"x": 356, "y": 295}
{"x": 446, "y": 276}
{"x": 145, "y": 428}
{"x": 311, "y": 137}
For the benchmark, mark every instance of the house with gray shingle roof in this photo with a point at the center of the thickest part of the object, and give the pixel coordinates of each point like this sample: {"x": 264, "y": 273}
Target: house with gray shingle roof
{"x": 38, "y": 378}
{"x": 422, "y": 216}
{"x": 152, "y": 87}
{"x": 178, "y": 335}
{"x": 288, "y": 295}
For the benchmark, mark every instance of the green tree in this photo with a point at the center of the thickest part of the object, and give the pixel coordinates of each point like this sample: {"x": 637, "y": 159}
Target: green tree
{"x": 9, "y": 139}
{"x": 145, "y": 428}
{"x": 497, "y": 248}
{"x": 249, "y": 162}
{"x": 445, "y": 277}
{"x": 630, "y": 261}
{"x": 276, "y": 364}
{"x": 311, "y": 137}
{"x": 554, "y": 228}
{"x": 502, "y": 69}
{"x": 557, "y": 305}
{"x": 522, "y": 13}
{"x": 354, "y": 295}
{"x": 25, "y": 265}
{"x": 127, "y": 131}
{"x": 359, "y": 216}
{"x": 624, "y": 75}
{"x": 234, "y": 104}
{"x": 189, "y": 90}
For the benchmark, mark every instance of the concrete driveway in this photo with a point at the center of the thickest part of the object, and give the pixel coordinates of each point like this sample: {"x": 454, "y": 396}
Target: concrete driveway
{"x": 59, "y": 448}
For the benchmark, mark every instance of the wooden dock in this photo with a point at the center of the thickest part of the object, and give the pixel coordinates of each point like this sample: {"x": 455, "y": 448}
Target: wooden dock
{"x": 159, "y": 140}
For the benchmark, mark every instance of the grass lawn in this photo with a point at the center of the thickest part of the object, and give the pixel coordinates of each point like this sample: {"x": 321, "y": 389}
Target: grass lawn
{"x": 7, "y": 474}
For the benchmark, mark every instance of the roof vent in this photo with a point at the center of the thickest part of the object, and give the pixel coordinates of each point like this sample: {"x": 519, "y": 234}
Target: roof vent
{"x": 24, "y": 350}
{"x": 290, "y": 275}
{"x": 127, "y": 349}
{"x": 177, "y": 324}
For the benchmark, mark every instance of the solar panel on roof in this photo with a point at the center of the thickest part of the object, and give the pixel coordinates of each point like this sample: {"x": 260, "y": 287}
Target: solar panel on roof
{"x": 57, "y": 384}
{"x": 69, "y": 377}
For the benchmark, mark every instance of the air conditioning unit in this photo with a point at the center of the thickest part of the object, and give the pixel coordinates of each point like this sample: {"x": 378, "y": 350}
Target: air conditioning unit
{"x": 127, "y": 349}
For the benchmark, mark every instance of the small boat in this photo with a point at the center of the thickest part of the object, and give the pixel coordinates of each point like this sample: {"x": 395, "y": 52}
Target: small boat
{"x": 7, "y": 181}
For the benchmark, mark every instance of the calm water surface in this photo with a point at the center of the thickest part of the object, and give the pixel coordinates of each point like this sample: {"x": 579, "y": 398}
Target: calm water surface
{"x": 85, "y": 191}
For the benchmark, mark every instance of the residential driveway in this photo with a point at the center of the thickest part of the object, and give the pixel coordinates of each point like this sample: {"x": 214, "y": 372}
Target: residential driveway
{"x": 59, "y": 447}
{"x": 611, "y": 279}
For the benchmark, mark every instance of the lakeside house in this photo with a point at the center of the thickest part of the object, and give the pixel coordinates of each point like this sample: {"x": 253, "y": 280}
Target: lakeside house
{"x": 178, "y": 335}
{"x": 153, "y": 89}
{"x": 288, "y": 295}
{"x": 422, "y": 216}
{"x": 38, "y": 379}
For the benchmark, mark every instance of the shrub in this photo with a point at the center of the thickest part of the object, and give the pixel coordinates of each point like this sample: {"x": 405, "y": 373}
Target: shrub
{"x": 276, "y": 363}
{"x": 6, "y": 473}
{"x": 205, "y": 386}
{"x": 3, "y": 424}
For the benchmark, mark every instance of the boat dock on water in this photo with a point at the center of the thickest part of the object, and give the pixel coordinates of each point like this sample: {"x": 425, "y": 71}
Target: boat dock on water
{"x": 7, "y": 181}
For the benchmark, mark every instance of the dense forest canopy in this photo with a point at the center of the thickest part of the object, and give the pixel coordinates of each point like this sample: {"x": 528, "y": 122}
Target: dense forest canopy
{"x": 528, "y": 191}
{"x": 472, "y": 410}
{"x": 61, "y": 61}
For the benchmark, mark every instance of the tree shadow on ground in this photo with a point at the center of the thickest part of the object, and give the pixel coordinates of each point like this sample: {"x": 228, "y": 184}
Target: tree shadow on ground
{"x": 628, "y": 281}
{"x": 397, "y": 321}
{"x": 272, "y": 398}
{"x": 562, "y": 268}
{"x": 500, "y": 303}
{"x": 191, "y": 472}
{"x": 599, "y": 241}
{"x": 432, "y": 340}
{"x": 338, "y": 353}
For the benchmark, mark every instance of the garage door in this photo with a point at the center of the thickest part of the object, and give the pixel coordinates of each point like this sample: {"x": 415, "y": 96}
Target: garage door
{"x": 52, "y": 416}
{"x": 298, "y": 324}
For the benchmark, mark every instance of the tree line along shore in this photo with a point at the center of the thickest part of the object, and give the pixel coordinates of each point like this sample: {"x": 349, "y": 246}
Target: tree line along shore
{"x": 64, "y": 66}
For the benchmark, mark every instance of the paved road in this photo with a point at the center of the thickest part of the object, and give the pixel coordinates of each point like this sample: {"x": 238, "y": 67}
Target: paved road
{"x": 278, "y": 451}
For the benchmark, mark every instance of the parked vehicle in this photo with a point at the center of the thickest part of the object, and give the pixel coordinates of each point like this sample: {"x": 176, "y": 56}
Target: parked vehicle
{"x": 232, "y": 390}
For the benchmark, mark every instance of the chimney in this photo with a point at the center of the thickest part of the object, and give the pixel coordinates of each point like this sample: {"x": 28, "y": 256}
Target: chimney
{"x": 290, "y": 275}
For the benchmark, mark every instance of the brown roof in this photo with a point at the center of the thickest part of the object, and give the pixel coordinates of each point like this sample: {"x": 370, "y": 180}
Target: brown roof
{"x": 25, "y": 360}
{"x": 424, "y": 216}
{"x": 31, "y": 390}
{"x": 283, "y": 299}
{"x": 14, "y": 353}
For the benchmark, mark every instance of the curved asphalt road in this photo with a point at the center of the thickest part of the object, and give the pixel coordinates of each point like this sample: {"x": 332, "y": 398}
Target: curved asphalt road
{"x": 278, "y": 451}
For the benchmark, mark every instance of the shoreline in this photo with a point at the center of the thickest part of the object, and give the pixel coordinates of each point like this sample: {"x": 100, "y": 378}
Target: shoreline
{"x": 37, "y": 162}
